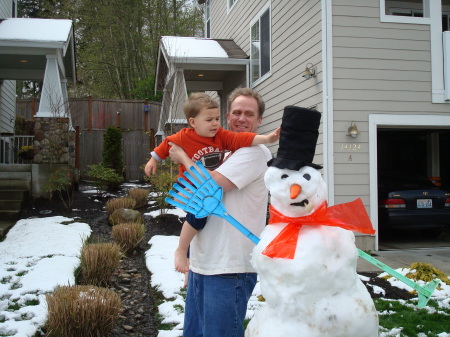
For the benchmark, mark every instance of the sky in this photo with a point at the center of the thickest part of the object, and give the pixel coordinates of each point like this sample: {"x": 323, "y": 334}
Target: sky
{"x": 33, "y": 262}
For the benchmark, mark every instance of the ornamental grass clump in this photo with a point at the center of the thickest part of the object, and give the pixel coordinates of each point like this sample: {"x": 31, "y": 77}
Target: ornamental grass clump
{"x": 117, "y": 203}
{"x": 140, "y": 195}
{"x": 128, "y": 235}
{"x": 98, "y": 263}
{"x": 86, "y": 311}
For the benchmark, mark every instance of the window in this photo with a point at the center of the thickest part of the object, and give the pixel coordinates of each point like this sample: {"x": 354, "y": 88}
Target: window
{"x": 14, "y": 14}
{"x": 230, "y": 4}
{"x": 407, "y": 11}
{"x": 260, "y": 46}
{"x": 208, "y": 18}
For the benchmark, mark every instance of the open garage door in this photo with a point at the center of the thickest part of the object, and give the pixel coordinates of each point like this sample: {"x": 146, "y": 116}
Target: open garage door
{"x": 413, "y": 187}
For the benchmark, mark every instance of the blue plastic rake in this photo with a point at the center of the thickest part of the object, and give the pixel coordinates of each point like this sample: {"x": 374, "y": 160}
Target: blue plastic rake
{"x": 201, "y": 196}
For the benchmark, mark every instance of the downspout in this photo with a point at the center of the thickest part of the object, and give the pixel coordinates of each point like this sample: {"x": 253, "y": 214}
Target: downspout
{"x": 327, "y": 92}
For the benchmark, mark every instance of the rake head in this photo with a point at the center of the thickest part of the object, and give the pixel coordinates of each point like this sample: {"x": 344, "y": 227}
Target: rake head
{"x": 199, "y": 194}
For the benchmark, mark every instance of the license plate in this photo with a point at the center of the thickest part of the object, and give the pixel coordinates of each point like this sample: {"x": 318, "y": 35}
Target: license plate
{"x": 424, "y": 203}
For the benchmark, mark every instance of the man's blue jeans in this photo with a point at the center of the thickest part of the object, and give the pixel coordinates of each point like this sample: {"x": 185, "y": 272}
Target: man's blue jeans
{"x": 216, "y": 304}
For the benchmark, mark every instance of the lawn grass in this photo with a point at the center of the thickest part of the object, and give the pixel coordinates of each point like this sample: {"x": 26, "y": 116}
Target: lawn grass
{"x": 413, "y": 321}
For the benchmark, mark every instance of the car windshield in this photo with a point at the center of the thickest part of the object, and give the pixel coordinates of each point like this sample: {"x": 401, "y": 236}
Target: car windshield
{"x": 403, "y": 181}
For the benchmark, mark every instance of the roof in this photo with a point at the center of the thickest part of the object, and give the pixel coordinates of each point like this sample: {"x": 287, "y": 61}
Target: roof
{"x": 25, "y": 42}
{"x": 202, "y": 60}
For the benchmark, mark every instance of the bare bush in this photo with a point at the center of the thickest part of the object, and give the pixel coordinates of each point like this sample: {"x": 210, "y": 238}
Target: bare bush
{"x": 116, "y": 203}
{"x": 82, "y": 311}
{"x": 98, "y": 262}
{"x": 128, "y": 235}
{"x": 140, "y": 195}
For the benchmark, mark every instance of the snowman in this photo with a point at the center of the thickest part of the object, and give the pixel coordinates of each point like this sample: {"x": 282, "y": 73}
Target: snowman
{"x": 306, "y": 258}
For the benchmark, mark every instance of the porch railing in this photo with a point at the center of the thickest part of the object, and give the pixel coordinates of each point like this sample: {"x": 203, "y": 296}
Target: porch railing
{"x": 10, "y": 147}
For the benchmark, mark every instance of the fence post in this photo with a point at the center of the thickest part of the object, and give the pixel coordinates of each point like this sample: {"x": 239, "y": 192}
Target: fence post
{"x": 90, "y": 113}
{"x": 146, "y": 109}
{"x": 77, "y": 147}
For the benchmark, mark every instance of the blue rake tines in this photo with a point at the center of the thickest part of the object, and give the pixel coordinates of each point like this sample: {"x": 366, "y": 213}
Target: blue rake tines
{"x": 201, "y": 196}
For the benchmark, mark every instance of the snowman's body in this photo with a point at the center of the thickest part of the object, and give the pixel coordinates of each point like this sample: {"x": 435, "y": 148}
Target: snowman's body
{"x": 318, "y": 292}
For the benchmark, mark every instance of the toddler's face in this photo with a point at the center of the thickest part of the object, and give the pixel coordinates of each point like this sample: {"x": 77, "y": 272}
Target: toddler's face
{"x": 206, "y": 123}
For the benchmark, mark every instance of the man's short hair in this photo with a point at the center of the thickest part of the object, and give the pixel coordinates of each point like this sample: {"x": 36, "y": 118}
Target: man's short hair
{"x": 249, "y": 93}
{"x": 196, "y": 102}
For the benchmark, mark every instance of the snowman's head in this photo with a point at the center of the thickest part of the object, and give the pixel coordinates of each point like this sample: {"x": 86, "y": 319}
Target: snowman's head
{"x": 295, "y": 193}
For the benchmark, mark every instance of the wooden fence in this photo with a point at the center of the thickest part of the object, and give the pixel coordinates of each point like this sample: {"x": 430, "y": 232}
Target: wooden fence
{"x": 138, "y": 121}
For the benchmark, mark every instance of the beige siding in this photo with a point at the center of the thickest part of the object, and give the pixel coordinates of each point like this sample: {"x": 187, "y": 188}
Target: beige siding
{"x": 296, "y": 41}
{"x": 7, "y": 106}
{"x": 378, "y": 68}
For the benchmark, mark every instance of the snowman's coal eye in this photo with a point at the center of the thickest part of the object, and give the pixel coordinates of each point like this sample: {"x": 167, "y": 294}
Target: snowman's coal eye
{"x": 284, "y": 176}
{"x": 307, "y": 176}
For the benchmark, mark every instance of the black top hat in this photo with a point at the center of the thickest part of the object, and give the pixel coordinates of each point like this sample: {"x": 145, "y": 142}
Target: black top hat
{"x": 298, "y": 138}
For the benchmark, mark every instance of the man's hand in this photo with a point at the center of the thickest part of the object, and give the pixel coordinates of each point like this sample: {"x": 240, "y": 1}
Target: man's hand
{"x": 178, "y": 155}
{"x": 150, "y": 167}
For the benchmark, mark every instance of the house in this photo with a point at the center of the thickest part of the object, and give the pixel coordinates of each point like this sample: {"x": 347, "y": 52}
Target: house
{"x": 7, "y": 94}
{"x": 43, "y": 50}
{"x": 378, "y": 70}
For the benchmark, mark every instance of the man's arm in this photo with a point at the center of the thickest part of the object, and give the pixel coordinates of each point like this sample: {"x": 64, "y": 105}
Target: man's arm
{"x": 178, "y": 155}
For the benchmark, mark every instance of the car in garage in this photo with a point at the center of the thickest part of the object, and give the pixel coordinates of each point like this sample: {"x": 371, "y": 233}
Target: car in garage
{"x": 409, "y": 201}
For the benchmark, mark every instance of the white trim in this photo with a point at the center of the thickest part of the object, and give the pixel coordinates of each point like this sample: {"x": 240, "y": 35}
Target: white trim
{"x": 426, "y": 20}
{"x": 446, "y": 46}
{"x": 257, "y": 18}
{"x": 378, "y": 120}
{"x": 327, "y": 92}
{"x": 437, "y": 54}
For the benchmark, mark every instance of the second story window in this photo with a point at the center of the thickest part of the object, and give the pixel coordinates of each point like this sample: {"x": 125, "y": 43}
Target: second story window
{"x": 230, "y": 3}
{"x": 208, "y": 18}
{"x": 260, "y": 45}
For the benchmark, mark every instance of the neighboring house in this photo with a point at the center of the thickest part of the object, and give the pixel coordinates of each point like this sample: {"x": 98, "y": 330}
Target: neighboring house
{"x": 8, "y": 9}
{"x": 33, "y": 49}
{"x": 380, "y": 69}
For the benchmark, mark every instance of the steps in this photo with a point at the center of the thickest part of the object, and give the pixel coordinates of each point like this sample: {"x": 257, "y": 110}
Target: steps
{"x": 15, "y": 190}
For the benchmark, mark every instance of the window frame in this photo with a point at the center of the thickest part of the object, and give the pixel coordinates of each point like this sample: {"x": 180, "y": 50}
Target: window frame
{"x": 208, "y": 18}
{"x": 231, "y": 4}
{"x": 257, "y": 20}
{"x": 425, "y": 20}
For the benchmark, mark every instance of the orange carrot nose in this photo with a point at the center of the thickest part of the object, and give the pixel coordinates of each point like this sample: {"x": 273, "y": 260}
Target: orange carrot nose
{"x": 295, "y": 191}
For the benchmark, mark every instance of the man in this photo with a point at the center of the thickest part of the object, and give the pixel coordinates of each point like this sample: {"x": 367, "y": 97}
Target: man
{"x": 221, "y": 277}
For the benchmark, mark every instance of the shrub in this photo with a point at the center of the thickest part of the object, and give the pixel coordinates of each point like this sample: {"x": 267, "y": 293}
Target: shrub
{"x": 162, "y": 182}
{"x": 140, "y": 195}
{"x": 104, "y": 178}
{"x": 87, "y": 311}
{"x": 112, "y": 149}
{"x": 60, "y": 181}
{"x": 426, "y": 272}
{"x": 98, "y": 262}
{"x": 124, "y": 215}
{"x": 128, "y": 235}
{"x": 116, "y": 203}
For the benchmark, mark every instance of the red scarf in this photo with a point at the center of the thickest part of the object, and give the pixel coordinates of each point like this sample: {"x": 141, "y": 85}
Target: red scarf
{"x": 351, "y": 216}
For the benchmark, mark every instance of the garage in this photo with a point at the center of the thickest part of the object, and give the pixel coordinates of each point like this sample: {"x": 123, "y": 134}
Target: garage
{"x": 414, "y": 152}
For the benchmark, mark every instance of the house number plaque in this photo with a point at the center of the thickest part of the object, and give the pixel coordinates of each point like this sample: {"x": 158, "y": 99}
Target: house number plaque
{"x": 351, "y": 147}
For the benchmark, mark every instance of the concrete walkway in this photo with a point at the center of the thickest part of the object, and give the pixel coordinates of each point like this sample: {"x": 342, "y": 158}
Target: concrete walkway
{"x": 398, "y": 258}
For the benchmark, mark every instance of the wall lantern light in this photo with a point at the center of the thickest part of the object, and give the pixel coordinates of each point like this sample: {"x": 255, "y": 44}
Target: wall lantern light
{"x": 353, "y": 130}
{"x": 310, "y": 71}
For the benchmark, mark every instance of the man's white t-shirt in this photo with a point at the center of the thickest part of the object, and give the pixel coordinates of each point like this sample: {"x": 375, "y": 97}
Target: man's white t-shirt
{"x": 220, "y": 248}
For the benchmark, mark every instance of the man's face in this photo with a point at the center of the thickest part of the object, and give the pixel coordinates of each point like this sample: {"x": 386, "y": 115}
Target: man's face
{"x": 243, "y": 115}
